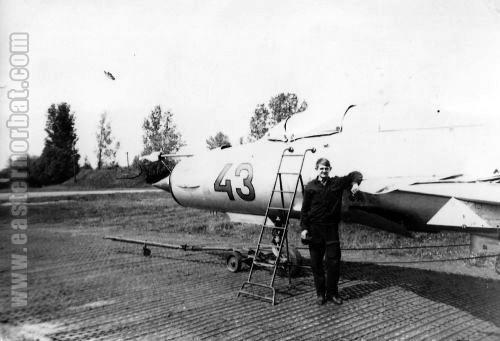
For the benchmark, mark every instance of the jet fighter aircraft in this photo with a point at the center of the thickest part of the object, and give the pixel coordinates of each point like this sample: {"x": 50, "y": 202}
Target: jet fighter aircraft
{"x": 429, "y": 178}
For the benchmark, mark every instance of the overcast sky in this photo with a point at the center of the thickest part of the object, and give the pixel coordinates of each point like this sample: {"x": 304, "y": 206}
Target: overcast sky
{"x": 212, "y": 62}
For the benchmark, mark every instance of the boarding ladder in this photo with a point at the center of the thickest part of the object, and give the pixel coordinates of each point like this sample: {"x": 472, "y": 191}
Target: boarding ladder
{"x": 281, "y": 212}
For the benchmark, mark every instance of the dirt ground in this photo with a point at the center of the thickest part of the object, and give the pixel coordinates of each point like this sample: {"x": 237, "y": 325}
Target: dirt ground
{"x": 83, "y": 287}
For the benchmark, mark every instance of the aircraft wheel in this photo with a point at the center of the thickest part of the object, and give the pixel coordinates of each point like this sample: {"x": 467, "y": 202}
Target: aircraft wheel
{"x": 294, "y": 263}
{"x": 497, "y": 265}
{"x": 233, "y": 261}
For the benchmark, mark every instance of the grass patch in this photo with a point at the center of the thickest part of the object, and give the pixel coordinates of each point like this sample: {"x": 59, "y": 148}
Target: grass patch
{"x": 155, "y": 215}
{"x": 95, "y": 179}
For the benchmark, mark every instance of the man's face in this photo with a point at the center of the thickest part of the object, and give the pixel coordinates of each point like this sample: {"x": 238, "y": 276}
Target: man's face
{"x": 323, "y": 171}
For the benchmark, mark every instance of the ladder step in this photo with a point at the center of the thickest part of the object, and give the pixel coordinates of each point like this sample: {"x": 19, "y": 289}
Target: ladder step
{"x": 267, "y": 246}
{"x": 274, "y": 227}
{"x": 288, "y": 192}
{"x": 279, "y": 208}
{"x": 257, "y": 284}
{"x": 288, "y": 173}
{"x": 243, "y": 292}
{"x": 288, "y": 155}
{"x": 269, "y": 265}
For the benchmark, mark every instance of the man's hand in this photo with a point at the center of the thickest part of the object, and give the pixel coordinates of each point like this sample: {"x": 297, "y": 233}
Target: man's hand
{"x": 355, "y": 188}
{"x": 304, "y": 234}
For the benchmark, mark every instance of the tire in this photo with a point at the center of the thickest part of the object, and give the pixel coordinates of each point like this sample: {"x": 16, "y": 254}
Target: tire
{"x": 233, "y": 261}
{"x": 295, "y": 259}
{"x": 293, "y": 264}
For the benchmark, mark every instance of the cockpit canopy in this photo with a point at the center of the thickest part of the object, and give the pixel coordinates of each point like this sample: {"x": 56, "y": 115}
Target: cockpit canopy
{"x": 305, "y": 125}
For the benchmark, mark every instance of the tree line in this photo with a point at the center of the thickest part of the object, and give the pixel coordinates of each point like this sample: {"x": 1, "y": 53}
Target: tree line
{"x": 59, "y": 160}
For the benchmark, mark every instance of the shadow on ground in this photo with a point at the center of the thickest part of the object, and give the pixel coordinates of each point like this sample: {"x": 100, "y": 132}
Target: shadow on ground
{"x": 478, "y": 296}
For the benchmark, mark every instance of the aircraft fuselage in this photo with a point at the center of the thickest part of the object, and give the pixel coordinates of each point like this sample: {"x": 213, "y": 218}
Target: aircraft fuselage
{"x": 401, "y": 191}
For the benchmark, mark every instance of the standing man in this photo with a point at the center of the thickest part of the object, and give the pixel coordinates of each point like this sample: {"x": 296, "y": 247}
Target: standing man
{"x": 320, "y": 217}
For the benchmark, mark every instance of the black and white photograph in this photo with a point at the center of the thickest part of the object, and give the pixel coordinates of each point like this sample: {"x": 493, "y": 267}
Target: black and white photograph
{"x": 250, "y": 170}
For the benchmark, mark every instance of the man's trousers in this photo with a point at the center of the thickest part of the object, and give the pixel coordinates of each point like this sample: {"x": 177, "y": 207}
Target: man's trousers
{"x": 326, "y": 286}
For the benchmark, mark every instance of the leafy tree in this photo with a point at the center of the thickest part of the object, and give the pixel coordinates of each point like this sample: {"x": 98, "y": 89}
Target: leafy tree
{"x": 86, "y": 163}
{"x": 105, "y": 152}
{"x": 28, "y": 163}
{"x": 159, "y": 134}
{"x": 136, "y": 162}
{"x": 59, "y": 159}
{"x": 219, "y": 140}
{"x": 279, "y": 108}
{"x": 34, "y": 179}
{"x": 5, "y": 177}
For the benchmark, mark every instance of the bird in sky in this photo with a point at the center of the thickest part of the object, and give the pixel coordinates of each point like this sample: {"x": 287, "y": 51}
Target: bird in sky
{"x": 109, "y": 75}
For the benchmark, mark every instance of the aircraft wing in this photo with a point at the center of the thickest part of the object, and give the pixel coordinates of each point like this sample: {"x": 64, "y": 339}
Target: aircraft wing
{"x": 455, "y": 203}
{"x": 473, "y": 205}
{"x": 472, "y": 191}
{"x": 435, "y": 185}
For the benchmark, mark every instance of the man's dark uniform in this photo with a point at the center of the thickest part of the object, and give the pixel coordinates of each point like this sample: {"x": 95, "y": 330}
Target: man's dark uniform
{"x": 320, "y": 215}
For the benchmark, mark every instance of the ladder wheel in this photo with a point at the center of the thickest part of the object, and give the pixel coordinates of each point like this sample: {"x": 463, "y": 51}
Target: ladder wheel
{"x": 497, "y": 265}
{"x": 233, "y": 261}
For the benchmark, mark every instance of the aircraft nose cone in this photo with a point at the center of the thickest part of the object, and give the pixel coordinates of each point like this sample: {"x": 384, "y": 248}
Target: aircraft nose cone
{"x": 163, "y": 184}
